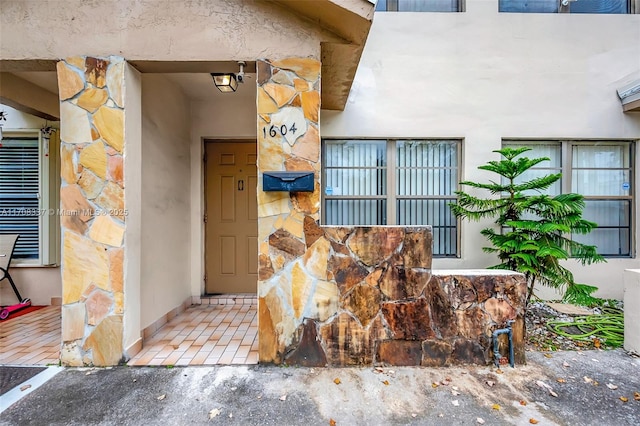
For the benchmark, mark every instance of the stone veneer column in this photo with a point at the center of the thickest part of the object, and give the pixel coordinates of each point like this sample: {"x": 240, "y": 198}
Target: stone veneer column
{"x": 288, "y": 139}
{"x": 357, "y": 295}
{"x": 93, "y": 213}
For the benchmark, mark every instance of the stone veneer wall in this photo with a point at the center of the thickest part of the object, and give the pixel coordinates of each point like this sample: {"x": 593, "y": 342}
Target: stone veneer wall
{"x": 360, "y": 295}
{"x": 92, "y": 209}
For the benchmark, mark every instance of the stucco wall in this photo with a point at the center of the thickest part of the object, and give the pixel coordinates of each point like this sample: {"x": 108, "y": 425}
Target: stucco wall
{"x": 482, "y": 76}
{"x": 153, "y": 30}
{"x": 39, "y": 284}
{"x": 165, "y": 198}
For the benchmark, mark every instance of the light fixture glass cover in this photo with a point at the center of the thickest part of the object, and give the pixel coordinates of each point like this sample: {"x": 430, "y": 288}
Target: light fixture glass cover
{"x": 225, "y": 82}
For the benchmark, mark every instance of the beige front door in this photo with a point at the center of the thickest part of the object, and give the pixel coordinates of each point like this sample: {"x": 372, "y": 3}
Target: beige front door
{"x": 231, "y": 229}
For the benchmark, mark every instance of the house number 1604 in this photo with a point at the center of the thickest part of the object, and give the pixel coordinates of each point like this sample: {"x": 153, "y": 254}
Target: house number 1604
{"x": 274, "y": 130}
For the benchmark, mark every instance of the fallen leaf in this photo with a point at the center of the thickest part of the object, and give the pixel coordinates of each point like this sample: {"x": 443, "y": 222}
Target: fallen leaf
{"x": 455, "y": 392}
{"x": 88, "y": 373}
{"x": 596, "y": 343}
{"x": 213, "y": 413}
{"x": 561, "y": 380}
{"x": 612, "y": 386}
{"x": 414, "y": 415}
{"x": 259, "y": 397}
{"x": 566, "y": 364}
{"x": 283, "y": 398}
{"x": 490, "y": 383}
{"x": 455, "y": 403}
{"x": 391, "y": 372}
{"x": 547, "y": 387}
{"x": 498, "y": 371}
{"x": 542, "y": 384}
{"x": 594, "y": 360}
{"x": 636, "y": 396}
{"x": 480, "y": 420}
{"x": 624, "y": 399}
{"x": 533, "y": 421}
{"x": 440, "y": 415}
{"x": 336, "y": 381}
{"x": 161, "y": 397}
{"x": 455, "y": 388}
{"x": 176, "y": 346}
{"x": 230, "y": 415}
{"x": 378, "y": 370}
{"x": 434, "y": 385}
{"x": 523, "y": 402}
{"x": 135, "y": 380}
{"x": 587, "y": 379}
{"x": 24, "y": 388}
{"x": 495, "y": 407}
{"x": 386, "y": 383}
{"x": 332, "y": 422}
{"x": 547, "y": 356}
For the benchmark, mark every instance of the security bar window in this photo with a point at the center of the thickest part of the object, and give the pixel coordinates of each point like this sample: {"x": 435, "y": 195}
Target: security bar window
{"x": 600, "y": 171}
{"x": 567, "y": 6}
{"x": 393, "y": 182}
{"x": 419, "y": 6}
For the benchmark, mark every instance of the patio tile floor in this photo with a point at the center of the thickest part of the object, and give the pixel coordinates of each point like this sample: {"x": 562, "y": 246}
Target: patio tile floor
{"x": 204, "y": 334}
{"x": 31, "y": 339}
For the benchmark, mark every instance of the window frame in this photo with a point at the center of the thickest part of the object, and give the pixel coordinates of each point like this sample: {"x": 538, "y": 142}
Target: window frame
{"x": 392, "y": 197}
{"x": 633, "y": 7}
{"x": 392, "y": 6}
{"x": 48, "y": 196}
{"x": 567, "y": 169}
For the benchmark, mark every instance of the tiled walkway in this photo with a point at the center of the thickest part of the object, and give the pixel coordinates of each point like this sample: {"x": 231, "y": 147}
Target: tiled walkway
{"x": 31, "y": 339}
{"x": 204, "y": 335}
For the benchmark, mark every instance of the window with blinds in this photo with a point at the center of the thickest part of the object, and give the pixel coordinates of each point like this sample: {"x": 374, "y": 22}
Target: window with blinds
{"x": 602, "y": 172}
{"x": 19, "y": 194}
{"x": 393, "y": 182}
{"x": 570, "y": 6}
{"x": 19, "y": 189}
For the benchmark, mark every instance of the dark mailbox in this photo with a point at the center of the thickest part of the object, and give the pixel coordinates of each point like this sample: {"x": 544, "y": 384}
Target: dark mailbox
{"x": 288, "y": 181}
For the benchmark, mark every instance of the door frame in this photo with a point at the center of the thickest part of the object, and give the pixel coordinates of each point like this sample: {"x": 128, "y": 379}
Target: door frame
{"x": 203, "y": 180}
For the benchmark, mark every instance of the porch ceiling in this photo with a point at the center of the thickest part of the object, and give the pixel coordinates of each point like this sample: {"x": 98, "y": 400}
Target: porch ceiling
{"x": 344, "y": 23}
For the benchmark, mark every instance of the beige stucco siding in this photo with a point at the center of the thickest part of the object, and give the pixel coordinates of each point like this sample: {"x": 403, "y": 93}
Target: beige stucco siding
{"x": 482, "y": 76}
{"x": 160, "y": 30}
{"x": 165, "y": 198}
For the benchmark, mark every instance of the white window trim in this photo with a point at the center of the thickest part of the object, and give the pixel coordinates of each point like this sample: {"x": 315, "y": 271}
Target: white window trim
{"x": 566, "y": 168}
{"x": 49, "y": 196}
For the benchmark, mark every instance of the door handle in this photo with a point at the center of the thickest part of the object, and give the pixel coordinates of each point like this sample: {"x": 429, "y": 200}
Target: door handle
{"x": 240, "y": 185}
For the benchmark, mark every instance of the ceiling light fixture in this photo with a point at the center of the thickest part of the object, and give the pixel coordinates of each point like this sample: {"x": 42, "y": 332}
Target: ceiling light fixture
{"x": 228, "y": 82}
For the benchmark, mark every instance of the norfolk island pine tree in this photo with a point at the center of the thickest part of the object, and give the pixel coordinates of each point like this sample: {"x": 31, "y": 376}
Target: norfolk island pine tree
{"x": 534, "y": 229}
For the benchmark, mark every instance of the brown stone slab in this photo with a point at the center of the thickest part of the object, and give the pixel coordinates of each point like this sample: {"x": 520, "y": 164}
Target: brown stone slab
{"x": 286, "y": 242}
{"x": 346, "y": 272}
{"x": 436, "y": 353}
{"x": 399, "y": 352}
{"x": 409, "y": 320}
{"x": 309, "y": 352}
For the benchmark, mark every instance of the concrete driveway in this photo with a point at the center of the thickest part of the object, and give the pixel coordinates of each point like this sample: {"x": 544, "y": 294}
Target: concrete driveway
{"x": 565, "y": 388}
